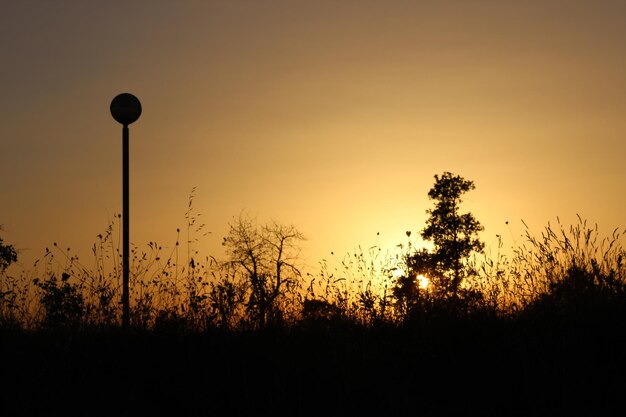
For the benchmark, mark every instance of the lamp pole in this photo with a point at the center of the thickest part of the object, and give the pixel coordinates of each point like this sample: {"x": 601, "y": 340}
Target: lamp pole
{"x": 125, "y": 109}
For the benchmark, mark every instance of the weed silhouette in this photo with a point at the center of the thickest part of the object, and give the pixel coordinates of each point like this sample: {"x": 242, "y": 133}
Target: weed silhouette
{"x": 538, "y": 333}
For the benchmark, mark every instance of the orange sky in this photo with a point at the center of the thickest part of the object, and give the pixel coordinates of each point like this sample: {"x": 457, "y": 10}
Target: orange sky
{"x": 331, "y": 115}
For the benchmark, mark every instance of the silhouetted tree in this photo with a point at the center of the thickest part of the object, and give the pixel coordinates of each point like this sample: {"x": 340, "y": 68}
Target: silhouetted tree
{"x": 267, "y": 256}
{"x": 8, "y": 255}
{"x": 8, "y": 293}
{"x": 454, "y": 234}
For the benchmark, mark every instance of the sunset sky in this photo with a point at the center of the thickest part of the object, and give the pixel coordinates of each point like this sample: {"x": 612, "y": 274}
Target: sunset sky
{"x": 333, "y": 116}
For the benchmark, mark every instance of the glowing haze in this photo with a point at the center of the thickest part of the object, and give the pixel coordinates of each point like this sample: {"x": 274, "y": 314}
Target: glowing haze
{"x": 331, "y": 115}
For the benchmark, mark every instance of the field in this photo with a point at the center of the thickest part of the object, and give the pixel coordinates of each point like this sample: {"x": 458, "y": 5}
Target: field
{"x": 539, "y": 334}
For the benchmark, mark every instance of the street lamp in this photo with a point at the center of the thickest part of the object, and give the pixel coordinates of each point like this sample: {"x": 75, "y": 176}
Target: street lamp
{"x": 125, "y": 109}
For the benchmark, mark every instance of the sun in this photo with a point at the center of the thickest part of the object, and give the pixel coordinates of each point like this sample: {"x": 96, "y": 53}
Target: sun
{"x": 422, "y": 281}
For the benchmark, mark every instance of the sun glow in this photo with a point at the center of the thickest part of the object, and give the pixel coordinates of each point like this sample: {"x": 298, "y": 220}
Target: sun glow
{"x": 422, "y": 281}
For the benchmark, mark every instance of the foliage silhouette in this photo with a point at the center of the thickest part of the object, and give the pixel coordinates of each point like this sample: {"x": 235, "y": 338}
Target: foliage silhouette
{"x": 9, "y": 288}
{"x": 356, "y": 290}
{"x": 455, "y": 235}
{"x": 8, "y": 255}
{"x": 62, "y": 301}
{"x": 542, "y": 331}
{"x": 571, "y": 272}
{"x": 267, "y": 256}
{"x": 260, "y": 283}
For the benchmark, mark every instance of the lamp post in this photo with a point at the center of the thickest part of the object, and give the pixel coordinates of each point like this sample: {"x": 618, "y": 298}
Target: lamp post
{"x": 125, "y": 109}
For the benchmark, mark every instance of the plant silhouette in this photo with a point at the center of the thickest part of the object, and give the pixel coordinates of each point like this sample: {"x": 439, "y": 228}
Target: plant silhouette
{"x": 455, "y": 237}
{"x": 454, "y": 234}
{"x": 62, "y": 301}
{"x": 539, "y": 333}
{"x": 8, "y": 255}
{"x": 267, "y": 257}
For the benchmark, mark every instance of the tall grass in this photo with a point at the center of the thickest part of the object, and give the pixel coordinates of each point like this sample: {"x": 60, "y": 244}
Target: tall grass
{"x": 177, "y": 288}
{"x": 577, "y": 259}
{"x": 357, "y": 287}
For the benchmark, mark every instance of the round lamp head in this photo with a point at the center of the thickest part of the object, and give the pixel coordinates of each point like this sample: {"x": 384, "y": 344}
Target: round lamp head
{"x": 125, "y": 108}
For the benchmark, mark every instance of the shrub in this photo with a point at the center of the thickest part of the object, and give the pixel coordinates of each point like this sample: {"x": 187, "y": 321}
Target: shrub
{"x": 62, "y": 302}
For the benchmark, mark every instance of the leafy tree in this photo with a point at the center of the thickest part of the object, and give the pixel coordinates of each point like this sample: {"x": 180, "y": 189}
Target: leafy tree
{"x": 8, "y": 255}
{"x": 266, "y": 256}
{"x": 454, "y": 234}
{"x": 8, "y": 292}
{"x": 455, "y": 237}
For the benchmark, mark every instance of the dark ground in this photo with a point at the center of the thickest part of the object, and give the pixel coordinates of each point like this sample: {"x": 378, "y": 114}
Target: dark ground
{"x": 526, "y": 367}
